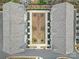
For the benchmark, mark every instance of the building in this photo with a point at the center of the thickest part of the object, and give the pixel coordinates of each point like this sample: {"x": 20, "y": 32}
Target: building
{"x": 39, "y": 25}
{"x": 14, "y": 19}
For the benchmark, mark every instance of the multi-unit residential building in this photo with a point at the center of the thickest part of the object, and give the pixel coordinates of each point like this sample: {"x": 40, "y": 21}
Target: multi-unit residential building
{"x": 41, "y": 25}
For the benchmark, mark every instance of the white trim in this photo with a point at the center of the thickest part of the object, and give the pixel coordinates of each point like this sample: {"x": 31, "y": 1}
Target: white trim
{"x": 46, "y": 39}
{"x": 25, "y": 38}
{"x": 45, "y": 11}
{"x": 37, "y": 45}
{"x": 46, "y": 28}
{"x": 63, "y": 58}
{"x": 30, "y": 27}
{"x": 36, "y": 57}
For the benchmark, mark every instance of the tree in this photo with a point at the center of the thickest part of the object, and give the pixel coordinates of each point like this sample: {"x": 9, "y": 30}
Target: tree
{"x": 42, "y": 2}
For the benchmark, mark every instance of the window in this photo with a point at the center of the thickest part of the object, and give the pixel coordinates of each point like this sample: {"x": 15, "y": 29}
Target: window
{"x": 48, "y": 30}
{"x": 77, "y": 21}
{"x": 49, "y": 24}
{"x": 28, "y": 42}
{"x": 48, "y": 35}
{"x": 28, "y": 24}
{"x": 77, "y": 41}
{"x": 28, "y": 16}
{"x": 49, "y": 42}
{"x": 49, "y": 16}
{"x": 28, "y": 36}
{"x": 77, "y": 34}
{"x": 77, "y": 28}
{"x": 78, "y": 16}
{"x": 28, "y": 30}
